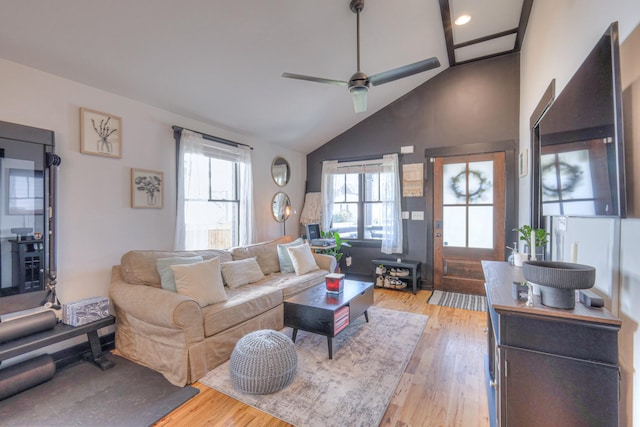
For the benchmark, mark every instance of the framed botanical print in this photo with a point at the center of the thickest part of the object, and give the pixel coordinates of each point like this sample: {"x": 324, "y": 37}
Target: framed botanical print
{"x": 100, "y": 133}
{"x": 147, "y": 189}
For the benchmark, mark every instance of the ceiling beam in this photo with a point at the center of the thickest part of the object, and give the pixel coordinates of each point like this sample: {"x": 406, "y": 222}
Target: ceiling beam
{"x": 481, "y": 58}
{"x": 486, "y": 38}
{"x": 522, "y": 25}
{"x": 447, "y": 25}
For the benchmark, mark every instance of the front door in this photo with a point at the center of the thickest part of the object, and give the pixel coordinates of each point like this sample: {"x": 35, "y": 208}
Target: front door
{"x": 469, "y": 219}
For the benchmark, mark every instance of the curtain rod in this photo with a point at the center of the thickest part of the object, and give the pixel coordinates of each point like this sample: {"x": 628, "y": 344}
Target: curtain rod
{"x": 345, "y": 165}
{"x": 362, "y": 159}
{"x": 212, "y": 138}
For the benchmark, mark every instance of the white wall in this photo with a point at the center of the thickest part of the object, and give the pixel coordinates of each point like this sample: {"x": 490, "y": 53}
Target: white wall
{"x": 96, "y": 224}
{"x": 559, "y": 36}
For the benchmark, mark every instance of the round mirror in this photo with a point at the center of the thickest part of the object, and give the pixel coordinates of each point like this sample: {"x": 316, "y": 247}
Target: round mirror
{"x": 280, "y": 206}
{"x": 280, "y": 171}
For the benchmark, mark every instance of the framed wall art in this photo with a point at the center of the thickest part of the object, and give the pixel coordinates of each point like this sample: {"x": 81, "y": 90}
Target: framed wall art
{"x": 147, "y": 189}
{"x": 412, "y": 182}
{"x": 100, "y": 133}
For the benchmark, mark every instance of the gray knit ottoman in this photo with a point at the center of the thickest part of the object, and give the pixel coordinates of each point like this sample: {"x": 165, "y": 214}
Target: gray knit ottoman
{"x": 263, "y": 362}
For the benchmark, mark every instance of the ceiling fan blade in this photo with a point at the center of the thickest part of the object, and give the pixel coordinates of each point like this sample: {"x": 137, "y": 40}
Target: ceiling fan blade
{"x": 404, "y": 71}
{"x": 314, "y": 79}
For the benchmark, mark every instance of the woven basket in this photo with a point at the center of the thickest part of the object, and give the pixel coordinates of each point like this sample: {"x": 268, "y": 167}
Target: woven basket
{"x": 263, "y": 362}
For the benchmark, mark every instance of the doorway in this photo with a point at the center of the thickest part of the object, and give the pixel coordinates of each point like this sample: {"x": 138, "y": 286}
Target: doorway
{"x": 468, "y": 219}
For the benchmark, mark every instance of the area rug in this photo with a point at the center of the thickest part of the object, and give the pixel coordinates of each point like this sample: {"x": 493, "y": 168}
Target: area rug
{"x": 83, "y": 395}
{"x": 458, "y": 300}
{"x": 353, "y": 389}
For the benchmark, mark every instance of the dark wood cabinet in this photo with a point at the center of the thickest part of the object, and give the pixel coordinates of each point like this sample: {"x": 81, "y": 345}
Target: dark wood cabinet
{"x": 548, "y": 366}
{"x": 27, "y": 264}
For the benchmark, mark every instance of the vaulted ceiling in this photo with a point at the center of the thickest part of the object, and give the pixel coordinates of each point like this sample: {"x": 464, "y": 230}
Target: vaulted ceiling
{"x": 220, "y": 62}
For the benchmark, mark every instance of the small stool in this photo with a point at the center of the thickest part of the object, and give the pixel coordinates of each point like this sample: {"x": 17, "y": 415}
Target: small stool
{"x": 263, "y": 362}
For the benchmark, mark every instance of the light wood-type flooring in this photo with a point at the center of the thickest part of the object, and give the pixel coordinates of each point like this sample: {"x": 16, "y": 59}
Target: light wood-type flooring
{"x": 443, "y": 385}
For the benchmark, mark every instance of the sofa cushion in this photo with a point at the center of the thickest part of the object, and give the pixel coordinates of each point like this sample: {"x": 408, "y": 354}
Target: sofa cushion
{"x": 201, "y": 281}
{"x": 266, "y": 253}
{"x": 242, "y": 304}
{"x": 290, "y": 283}
{"x": 241, "y": 272}
{"x": 302, "y": 259}
{"x": 286, "y": 266}
{"x": 167, "y": 279}
{"x": 139, "y": 266}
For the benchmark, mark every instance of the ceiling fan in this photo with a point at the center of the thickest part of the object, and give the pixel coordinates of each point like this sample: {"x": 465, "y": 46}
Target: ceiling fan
{"x": 359, "y": 82}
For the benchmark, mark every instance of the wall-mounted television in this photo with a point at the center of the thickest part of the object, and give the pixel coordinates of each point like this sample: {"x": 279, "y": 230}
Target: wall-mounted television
{"x": 580, "y": 165}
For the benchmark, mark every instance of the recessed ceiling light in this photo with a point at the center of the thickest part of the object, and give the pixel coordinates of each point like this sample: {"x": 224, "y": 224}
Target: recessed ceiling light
{"x": 462, "y": 19}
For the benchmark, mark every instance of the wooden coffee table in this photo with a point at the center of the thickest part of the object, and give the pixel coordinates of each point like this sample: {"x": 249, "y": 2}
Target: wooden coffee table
{"x": 317, "y": 311}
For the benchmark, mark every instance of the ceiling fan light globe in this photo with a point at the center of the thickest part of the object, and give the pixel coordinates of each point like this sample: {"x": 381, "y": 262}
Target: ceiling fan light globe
{"x": 359, "y": 96}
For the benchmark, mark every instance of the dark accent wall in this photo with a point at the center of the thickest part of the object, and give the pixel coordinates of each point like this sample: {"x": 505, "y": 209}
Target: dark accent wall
{"x": 476, "y": 103}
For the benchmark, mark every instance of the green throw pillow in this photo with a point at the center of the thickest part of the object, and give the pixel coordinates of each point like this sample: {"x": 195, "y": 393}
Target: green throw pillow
{"x": 167, "y": 279}
{"x": 286, "y": 266}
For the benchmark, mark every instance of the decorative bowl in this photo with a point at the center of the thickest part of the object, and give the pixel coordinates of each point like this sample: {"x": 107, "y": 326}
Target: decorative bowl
{"x": 559, "y": 280}
{"x": 562, "y": 275}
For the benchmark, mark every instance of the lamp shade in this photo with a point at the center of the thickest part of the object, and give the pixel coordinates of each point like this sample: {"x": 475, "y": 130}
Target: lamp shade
{"x": 359, "y": 95}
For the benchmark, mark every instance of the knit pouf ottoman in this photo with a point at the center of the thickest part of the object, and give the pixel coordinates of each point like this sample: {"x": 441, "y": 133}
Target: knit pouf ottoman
{"x": 263, "y": 362}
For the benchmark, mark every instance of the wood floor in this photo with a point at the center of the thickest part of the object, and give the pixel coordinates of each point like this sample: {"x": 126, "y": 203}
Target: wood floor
{"x": 443, "y": 385}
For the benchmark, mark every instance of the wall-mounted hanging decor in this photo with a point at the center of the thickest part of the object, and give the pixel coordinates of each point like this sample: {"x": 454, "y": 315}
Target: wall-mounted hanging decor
{"x": 147, "y": 189}
{"x": 100, "y": 133}
{"x": 523, "y": 163}
{"x": 412, "y": 182}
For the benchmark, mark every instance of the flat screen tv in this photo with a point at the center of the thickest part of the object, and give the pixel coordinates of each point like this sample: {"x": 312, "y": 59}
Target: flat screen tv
{"x": 581, "y": 153}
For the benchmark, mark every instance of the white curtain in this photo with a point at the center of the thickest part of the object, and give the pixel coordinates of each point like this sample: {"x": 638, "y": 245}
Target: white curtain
{"x": 329, "y": 170}
{"x": 193, "y": 184}
{"x": 390, "y": 195}
{"x": 391, "y": 208}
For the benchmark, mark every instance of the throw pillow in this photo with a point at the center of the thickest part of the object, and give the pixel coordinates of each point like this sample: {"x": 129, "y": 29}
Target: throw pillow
{"x": 201, "y": 281}
{"x": 283, "y": 255}
{"x": 302, "y": 259}
{"x": 241, "y": 272}
{"x": 167, "y": 280}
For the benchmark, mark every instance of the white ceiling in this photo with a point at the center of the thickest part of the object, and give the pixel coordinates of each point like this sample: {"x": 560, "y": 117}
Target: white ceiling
{"x": 220, "y": 62}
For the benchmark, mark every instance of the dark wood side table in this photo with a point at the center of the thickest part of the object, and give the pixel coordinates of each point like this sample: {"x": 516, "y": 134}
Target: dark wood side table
{"x": 59, "y": 333}
{"x": 413, "y": 266}
{"x": 314, "y": 310}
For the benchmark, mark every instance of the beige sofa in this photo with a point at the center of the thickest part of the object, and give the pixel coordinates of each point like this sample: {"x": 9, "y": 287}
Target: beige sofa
{"x": 172, "y": 334}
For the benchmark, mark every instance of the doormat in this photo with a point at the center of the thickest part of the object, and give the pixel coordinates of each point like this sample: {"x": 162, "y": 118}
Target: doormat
{"x": 353, "y": 389}
{"x": 458, "y": 300}
{"x": 83, "y": 395}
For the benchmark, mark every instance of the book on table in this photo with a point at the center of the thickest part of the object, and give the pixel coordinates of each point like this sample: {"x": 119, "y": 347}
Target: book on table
{"x": 341, "y": 319}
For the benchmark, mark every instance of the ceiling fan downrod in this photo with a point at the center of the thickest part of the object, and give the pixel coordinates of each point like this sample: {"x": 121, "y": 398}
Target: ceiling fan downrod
{"x": 356, "y": 7}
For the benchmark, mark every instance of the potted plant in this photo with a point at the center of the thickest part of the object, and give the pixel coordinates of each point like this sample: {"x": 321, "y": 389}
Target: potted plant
{"x": 541, "y": 236}
{"x": 336, "y": 251}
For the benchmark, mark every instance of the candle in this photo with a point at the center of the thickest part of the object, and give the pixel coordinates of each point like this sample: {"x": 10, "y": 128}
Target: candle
{"x": 574, "y": 252}
{"x": 532, "y": 245}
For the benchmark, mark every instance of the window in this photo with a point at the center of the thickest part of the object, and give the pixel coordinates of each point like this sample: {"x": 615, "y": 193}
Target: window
{"x": 361, "y": 200}
{"x": 212, "y": 222}
{"x": 357, "y": 195}
{"x": 214, "y": 195}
